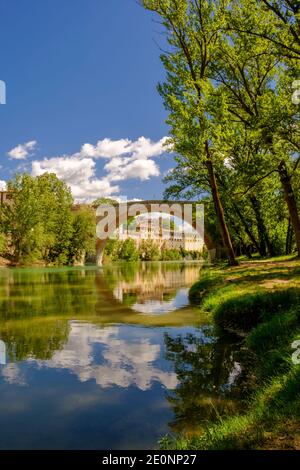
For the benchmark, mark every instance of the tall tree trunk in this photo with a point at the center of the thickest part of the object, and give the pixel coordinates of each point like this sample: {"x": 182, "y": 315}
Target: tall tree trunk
{"x": 290, "y": 199}
{"x": 237, "y": 232}
{"x": 219, "y": 208}
{"x": 246, "y": 227}
{"x": 289, "y": 238}
{"x": 262, "y": 229}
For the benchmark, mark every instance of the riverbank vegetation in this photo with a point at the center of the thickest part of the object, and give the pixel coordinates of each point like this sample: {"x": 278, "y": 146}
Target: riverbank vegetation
{"x": 147, "y": 250}
{"x": 259, "y": 301}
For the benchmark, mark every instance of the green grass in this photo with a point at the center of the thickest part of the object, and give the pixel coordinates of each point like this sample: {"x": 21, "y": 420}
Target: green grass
{"x": 262, "y": 302}
{"x": 246, "y": 311}
{"x": 276, "y": 402}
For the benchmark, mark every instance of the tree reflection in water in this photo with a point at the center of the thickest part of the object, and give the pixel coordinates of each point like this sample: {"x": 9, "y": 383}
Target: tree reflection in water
{"x": 209, "y": 375}
{"x": 34, "y": 339}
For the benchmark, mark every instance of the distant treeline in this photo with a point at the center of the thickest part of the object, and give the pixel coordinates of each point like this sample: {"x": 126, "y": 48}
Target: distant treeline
{"x": 148, "y": 250}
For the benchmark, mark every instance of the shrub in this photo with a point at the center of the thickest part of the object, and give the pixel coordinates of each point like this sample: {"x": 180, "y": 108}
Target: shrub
{"x": 127, "y": 251}
{"x": 149, "y": 251}
{"x": 171, "y": 255}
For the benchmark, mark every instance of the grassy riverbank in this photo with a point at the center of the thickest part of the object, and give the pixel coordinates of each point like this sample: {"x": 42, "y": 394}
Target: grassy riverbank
{"x": 261, "y": 301}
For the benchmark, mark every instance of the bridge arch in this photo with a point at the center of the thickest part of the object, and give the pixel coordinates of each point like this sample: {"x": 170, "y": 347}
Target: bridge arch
{"x": 110, "y": 217}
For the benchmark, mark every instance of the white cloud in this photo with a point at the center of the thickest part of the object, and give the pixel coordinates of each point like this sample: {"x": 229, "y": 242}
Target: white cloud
{"x": 127, "y": 159}
{"x": 145, "y": 148}
{"x": 94, "y": 189}
{"x": 107, "y": 148}
{"x": 122, "y": 169}
{"x": 20, "y": 152}
{"x": 69, "y": 169}
{"x": 2, "y": 185}
{"x": 77, "y": 173}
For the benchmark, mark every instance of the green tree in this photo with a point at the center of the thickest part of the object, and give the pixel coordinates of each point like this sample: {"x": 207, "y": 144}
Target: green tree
{"x": 56, "y": 203}
{"x": 275, "y": 21}
{"x": 194, "y": 35}
{"x": 233, "y": 124}
{"x": 21, "y": 221}
{"x": 127, "y": 251}
{"x": 39, "y": 221}
{"x": 258, "y": 89}
{"x": 112, "y": 249}
{"x": 83, "y": 239}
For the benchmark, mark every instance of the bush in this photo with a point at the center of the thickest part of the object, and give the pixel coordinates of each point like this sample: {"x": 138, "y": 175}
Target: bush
{"x": 149, "y": 251}
{"x": 171, "y": 255}
{"x": 127, "y": 251}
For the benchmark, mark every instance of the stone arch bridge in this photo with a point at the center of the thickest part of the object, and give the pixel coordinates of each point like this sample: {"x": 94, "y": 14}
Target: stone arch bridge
{"x": 111, "y": 216}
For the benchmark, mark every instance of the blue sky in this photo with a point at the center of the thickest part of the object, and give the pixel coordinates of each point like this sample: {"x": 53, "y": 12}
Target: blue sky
{"x": 83, "y": 72}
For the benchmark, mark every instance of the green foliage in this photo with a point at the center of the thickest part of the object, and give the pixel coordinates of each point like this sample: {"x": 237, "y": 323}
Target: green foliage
{"x": 2, "y": 243}
{"x": 102, "y": 201}
{"x": 149, "y": 251}
{"x": 121, "y": 250}
{"x": 83, "y": 239}
{"x": 111, "y": 249}
{"x": 40, "y": 224}
{"x": 171, "y": 255}
{"x": 230, "y": 70}
{"x": 127, "y": 251}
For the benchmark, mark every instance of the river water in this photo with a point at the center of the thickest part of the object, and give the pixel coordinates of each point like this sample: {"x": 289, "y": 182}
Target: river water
{"x": 109, "y": 358}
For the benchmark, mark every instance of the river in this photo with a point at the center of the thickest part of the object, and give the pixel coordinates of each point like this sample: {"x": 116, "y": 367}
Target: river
{"x": 109, "y": 358}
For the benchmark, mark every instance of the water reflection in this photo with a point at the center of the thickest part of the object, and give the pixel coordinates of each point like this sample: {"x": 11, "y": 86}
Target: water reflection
{"x": 209, "y": 377}
{"x": 154, "y": 288}
{"x": 110, "y": 358}
{"x": 167, "y": 304}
